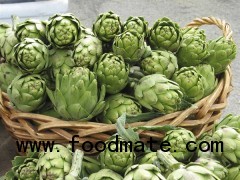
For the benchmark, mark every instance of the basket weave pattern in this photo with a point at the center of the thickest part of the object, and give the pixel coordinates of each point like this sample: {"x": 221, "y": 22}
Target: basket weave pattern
{"x": 199, "y": 118}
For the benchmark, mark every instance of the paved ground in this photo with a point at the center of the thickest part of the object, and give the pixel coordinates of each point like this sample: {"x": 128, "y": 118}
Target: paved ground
{"x": 178, "y": 10}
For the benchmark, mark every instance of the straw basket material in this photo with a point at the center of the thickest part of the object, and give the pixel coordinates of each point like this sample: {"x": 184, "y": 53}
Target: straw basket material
{"x": 199, "y": 118}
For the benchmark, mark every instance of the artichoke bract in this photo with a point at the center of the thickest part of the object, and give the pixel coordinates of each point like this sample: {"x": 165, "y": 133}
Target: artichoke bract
{"x": 143, "y": 172}
{"x": 178, "y": 140}
{"x": 31, "y": 28}
{"x": 32, "y": 56}
{"x": 193, "y": 31}
{"x": 214, "y": 166}
{"x": 105, "y": 174}
{"x": 228, "y": 153}
{"x": 116, "y": 105}
{"x": 233, "y": 173}
{"x": 54, "y": 164}
{"x": 3, "y": 28}
{"x": 61, "y": 61}
{"x": 87, "y": 51}
{"x": 85, "y": 32}
{"x": 160, "y": 62}
{"x": 209, "y": 79}
{"x": 107, "y": 26}
{"x": 77, "y": 95}
{"x": 7, "y": 73}
{"x": 112, "y": 72}
{"x": 63, "y": 30}
{"x": 229, "y": 120}
{"x": 27, "y": 92}
{"x": 165, "y": 35}
{"x": 136, "y": 24}
{"x": 156, "y": 92}
{"x": 222, "y": 52}
{"x": 192, "y": 51}
{"x": 191, "y": 83}
{"x": 118, "y": 161}
{"x": 131, "y": 46}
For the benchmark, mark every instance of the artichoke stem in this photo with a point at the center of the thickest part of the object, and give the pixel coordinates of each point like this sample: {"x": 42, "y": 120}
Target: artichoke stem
{"x": 168, "y": 160}
{"x": 15, "y": 21}
{"x": 75, "y": 170}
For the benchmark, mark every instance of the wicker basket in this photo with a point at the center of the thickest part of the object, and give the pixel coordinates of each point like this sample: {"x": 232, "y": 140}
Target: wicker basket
{"x": 199, "y": 118}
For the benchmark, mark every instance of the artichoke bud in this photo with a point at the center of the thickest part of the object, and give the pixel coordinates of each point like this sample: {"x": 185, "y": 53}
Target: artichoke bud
{"x": 105, "y": 174}
{"x": 193, "y": 31}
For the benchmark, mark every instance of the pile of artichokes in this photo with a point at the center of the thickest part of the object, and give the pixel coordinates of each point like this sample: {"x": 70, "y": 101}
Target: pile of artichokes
{"x": 78, "y": 73}
{"x": 126, "y": 164}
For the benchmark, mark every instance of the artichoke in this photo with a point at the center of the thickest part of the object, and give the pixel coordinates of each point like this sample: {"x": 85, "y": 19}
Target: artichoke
{"x": 165, "y": 35}
{"x": 107, "y": 26}
{"x": 112, "y": 71}
{"x": 61, "y": 61}
{"x": 7, "y": 73}
{"x": 191, "y": 83}
{"x": 222, "y": 52}
{"x": 63, "y": 30}
{"x": 89, "y": 166}
{"x": 105, "y": 174}
{"x": 85, "y": 32}
{"x": 214, "y": 166}
{"x": 227, "y": 149}
{"x": 233, "y": 173}
{"x": 160, "y": 62}
{"x": 143, "y": 172}
{"x": 178, "y": 140}
{"x": 116, "y": 105}
{"x": 27, "y": 92}
{"x": 88, "y": 100}
{"x": 7, "y": 41}
{"x": 54, "y": 164}
{"x": 192, "y": 51}
{"x": 156, "y": 92}
{"x": 27, "y": 171}
{"x": 230, "y": 120}
{"x": 87, "y": 51}
{"x": 32, "y": 56}
{"x": 131, "y": 46}
{"x": 119, "y": 160}
{"x": 191, "y": 171}
{"x": 31, "y": 28}
{"x": 136, "y": 24}
{"x": 209, "y": 80}
{"x": 193, "y": 31}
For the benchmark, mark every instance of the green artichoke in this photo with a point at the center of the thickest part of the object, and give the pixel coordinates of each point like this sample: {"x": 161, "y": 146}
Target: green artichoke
{"x": 63, "y": 30}
{"x": 131, "y": 46}
{"x": 222, "y": 52}
{"x": 87, "y": 51}
{"x": 229, "y": 120}
{"x": 54, "y": 164}
{"x": 27, "y": 171}
{"x": 209, "y": 79}
{"x": 156, "y": 92}
{"x": 27, "y": 92}
{"x": 136, "y": 24}
{"x": 228, "y": 153}
{"x": 193, "y": 31}
{"x": 120, "y": 160}
{"x": 88, "y": 100}
{"x": 7, "y": 73}
{"x": 116, "y": 105}
{"x": 61, "y": 61}
{"x": 112, "y": 71}
{"x": 105, "y": 174}
{"x": 31, "y": 28}
{"x": 107, "y": 26}
{"x": 192, "y": 51}
{"x": 165, "y": 35}
{"x": 178, "y": 140}
{"x": 89, "y": 166}
{"x": 7, "y": 41}
{"x": 32, "y": 56}
{"x": 192, "y": 171}
{"x": 191, "y": 83}
{"x": 233, "y": 173}
{"x": 143, "y": 172}
{"x": 214, "y": 166}
{"x": 160, "y": 62}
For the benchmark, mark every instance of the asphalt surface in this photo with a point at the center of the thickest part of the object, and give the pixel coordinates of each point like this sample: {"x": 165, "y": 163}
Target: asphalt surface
{"x": 180, "y": 11}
